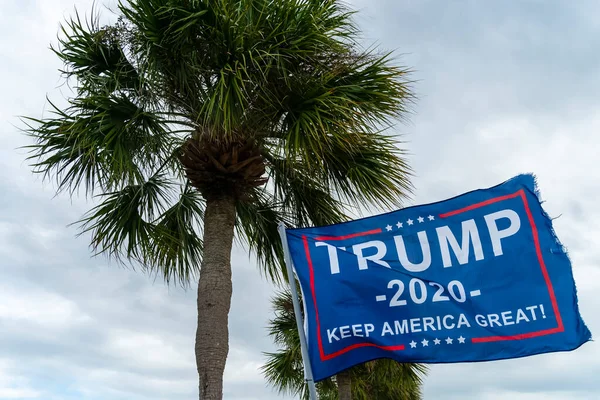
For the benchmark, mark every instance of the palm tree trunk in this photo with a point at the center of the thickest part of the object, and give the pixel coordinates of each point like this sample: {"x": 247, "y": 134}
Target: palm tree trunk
{"x": 344, "y": 384}
{"x": 214, "y": 296}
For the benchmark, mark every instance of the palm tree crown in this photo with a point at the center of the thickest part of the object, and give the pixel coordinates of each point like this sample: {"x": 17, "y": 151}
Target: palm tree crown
{"x": 190, "y": 116}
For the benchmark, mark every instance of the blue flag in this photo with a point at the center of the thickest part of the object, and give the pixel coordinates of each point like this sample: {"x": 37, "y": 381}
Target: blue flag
{"x": 478, "y": 277}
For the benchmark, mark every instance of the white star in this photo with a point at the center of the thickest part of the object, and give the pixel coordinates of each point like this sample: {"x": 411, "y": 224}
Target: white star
{"x": 388, "y": 228}
{"x": 448, "y": 341}
{"x": 421, "y": 219}
{"x": 399, "y": 224}
{"x": 431, "y": 217}
{"x": 436, "y": 341}
{"x": 413, "y": 344}
{"x": 425, "y": 342}
{"x": 410, "y": 222}
{"x": 461, "y": 339}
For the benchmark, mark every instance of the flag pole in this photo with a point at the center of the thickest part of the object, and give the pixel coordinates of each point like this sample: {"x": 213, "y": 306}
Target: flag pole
{"x": 308, "y": 376}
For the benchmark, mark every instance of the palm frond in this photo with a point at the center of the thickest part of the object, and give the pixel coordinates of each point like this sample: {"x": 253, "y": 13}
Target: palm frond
{"x": 370, "y": 87}
{"x": 96, "y": 57}
{"x": 99, "y": 141}
{"x": 120, "y": 225}
{"x": 328, "y": 105}
{"x": 284, "y": 371}
{"x": 368, "y": 168}
{"x": 176, "y": 246}
{"x": 257, "y": 222}
{"x": 304, "y": 196}
{"x": 167, "y": 40}
{"x": 387, "y": 379}
{"x": 282, "y": 327}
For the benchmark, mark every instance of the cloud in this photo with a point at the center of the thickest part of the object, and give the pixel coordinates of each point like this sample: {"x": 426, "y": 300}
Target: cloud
{"x": 14, "y": 387}
{"x": 504, "y": 88}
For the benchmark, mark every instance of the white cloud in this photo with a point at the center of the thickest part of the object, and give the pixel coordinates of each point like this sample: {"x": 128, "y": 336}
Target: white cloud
{"x": 243, "y": 365}
{"x": 14, "y": 387}
{"x": 503, "y": 88}
{"x": 37, "y": 310}
{"x": 540, "y": 395}
{"x": 147, "y": 351}
{"x": 18, "y": 394}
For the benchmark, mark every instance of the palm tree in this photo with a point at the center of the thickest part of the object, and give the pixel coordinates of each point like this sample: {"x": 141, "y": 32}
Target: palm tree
{"x": 194, "y": 121}
{"x": 381, "y": 379}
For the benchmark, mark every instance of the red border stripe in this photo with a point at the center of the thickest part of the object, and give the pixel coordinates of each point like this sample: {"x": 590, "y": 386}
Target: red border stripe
{"x": 478, "y": 205}
{"x": 314, "y": 295}
{"x": 350, "y": 236}
{"x": 358, "y": 345}
{"x": 538, "y": 250}
{"x": 488, "y": 339}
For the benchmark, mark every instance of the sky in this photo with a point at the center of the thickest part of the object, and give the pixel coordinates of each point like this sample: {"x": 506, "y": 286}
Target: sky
{"x": 503, "y": 88}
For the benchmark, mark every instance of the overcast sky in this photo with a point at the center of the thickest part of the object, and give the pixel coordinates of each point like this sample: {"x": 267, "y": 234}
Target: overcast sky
{"x": 504, "y": 88}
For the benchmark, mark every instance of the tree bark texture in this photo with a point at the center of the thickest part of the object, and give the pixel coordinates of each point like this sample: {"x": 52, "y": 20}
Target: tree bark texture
{"x": 344, "y": 384}
{"x": 214, "y": 297}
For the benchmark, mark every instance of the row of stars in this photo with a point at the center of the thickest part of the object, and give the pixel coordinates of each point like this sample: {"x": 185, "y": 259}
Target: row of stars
{"x": 436, "y": 341}
{"x": 409, "y": 222}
